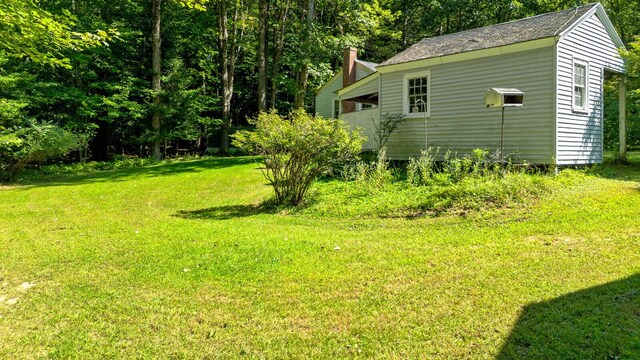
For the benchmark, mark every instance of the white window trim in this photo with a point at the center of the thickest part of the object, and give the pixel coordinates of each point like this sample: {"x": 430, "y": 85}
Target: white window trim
{"x": 405, "y": 93}
{"x": 333, "y": 107}
{"x": 585, "y": 109}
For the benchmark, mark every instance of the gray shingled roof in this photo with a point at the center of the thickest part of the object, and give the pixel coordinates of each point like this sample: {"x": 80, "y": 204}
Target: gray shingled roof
{"x": 371, "y": 66}
{"x": 533, "y": 28}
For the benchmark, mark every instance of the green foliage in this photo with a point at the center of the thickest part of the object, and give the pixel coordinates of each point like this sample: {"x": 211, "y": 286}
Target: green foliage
{"x": 298, "y": 150}
{"x": 376, "y": 173}
{"x": 104, "y": 89}
{"x": 632, "y": 60}
{"x": 422, "y": 169}
{"x": 611, "y": 122}
{"x": 34, "y": 143}
{"x": 27, "y": 30}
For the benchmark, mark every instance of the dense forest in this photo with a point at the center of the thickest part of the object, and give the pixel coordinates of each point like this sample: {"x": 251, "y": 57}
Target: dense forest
{"x": 164, "y": 77}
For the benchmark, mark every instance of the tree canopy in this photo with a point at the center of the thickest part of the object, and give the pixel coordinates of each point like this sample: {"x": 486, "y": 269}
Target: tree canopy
{"x": 86, "y": 65}
{"x": 28, "y": 30}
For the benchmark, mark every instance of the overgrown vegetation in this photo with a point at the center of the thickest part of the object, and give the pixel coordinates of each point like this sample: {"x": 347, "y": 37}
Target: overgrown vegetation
{"x": 433, "y": 184}
{"x": 297, "y": 150}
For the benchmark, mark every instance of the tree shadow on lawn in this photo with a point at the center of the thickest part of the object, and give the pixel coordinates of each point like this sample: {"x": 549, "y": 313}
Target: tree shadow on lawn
{"x": 117, "y": 175}
{"x": 225, "y": 212}
{"x": 602, "y": 322}
{"x": 629, "y": 171}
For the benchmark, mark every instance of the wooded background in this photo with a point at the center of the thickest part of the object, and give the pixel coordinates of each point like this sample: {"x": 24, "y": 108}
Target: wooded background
{"x": 162, "y": 77}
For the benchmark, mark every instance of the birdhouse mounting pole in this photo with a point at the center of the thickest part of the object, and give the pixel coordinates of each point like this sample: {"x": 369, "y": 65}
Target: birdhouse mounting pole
{"x": 502, "y": 139}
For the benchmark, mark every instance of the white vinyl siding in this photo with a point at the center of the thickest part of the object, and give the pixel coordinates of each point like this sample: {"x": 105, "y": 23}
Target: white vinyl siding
{"x": 362, "y": 71}
{"x": 579, "y": 131}
{"x": 459, "y": 120}
{"x": 326, "y": 97}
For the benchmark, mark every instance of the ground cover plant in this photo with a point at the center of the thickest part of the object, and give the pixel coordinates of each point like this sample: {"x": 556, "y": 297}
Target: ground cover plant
{"x": 179, "y": 260}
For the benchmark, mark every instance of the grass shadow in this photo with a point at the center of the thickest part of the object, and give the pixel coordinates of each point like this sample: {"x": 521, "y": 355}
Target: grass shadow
{"x": 174, "y": 168}
{"x": 626, "y": 172}
{"x": 226, "y": 212}
{"x": 595, "y": 323}
{"x": 612, "y": 169}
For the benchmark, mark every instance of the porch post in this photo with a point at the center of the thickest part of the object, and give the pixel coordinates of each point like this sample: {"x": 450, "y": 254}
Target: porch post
{"x": 622, "y": 109}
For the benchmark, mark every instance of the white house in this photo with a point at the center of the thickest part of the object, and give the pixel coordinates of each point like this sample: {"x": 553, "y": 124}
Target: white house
{"x": 327, "y": 102}
{"x": 558, "y": 60}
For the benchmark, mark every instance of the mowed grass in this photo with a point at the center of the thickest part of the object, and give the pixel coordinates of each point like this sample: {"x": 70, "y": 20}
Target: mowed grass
{"x": 177, "y": 261}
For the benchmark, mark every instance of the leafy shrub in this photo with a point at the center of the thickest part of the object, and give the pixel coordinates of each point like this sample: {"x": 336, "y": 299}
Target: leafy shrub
{"x": 297, "y": 150}
{"x": 34, "y": 143}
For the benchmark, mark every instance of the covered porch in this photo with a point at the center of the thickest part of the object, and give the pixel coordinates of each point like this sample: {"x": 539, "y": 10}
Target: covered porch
{"x": 359, "y": 107}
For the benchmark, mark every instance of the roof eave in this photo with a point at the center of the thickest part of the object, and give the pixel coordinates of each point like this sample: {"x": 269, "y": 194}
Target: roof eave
{"x": 358, "y": 83}
{"x": 366, "y": 65}
{"x": 329, "y": 82}
{"x": 602, "y": 14}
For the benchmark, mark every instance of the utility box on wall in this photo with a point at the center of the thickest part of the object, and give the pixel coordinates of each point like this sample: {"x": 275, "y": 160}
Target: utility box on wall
{"x": 500, "y": 97}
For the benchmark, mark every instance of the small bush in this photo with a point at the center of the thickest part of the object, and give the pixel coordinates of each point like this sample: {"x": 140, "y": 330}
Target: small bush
{"x": 34, "y": 143}
{"x": 297, "y": 150}
{"x": 387, "y": 125}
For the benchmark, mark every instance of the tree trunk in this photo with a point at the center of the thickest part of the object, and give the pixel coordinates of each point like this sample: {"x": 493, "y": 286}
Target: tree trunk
{"x": 229, "y": 40}
{"x": 262, "y": 54}
{"x": 155, "y": 81}
{"x": 303, "y": 74}
{"x": 405, "y": 26}
{"x": 277, "y": 51}
{"x": 227, "y": 84}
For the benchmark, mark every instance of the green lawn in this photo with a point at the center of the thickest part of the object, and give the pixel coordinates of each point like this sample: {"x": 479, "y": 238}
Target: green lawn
{"x": 176, "y": 261}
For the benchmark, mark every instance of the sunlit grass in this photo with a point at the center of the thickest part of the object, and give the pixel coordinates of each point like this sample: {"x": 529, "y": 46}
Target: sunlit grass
{"x": 179, "y": 260}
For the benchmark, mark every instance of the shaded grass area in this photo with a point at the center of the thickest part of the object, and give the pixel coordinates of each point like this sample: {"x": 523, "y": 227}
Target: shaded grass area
{"x": 180, "y": 260}
{"x": 562, "y": 328}
{"x": 122, "y": 171}
{"x": 633, "y": 156}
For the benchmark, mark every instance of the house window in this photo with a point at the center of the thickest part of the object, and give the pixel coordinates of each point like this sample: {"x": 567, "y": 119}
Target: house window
{"x": 580, "y": 88}
{"x": 417, "y": 96}
{"x": 364, "y": 106}
{"x": 336, "y": 109}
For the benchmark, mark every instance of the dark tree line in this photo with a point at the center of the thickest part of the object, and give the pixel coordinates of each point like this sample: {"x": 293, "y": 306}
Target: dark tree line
{"x": 181, "y": 75}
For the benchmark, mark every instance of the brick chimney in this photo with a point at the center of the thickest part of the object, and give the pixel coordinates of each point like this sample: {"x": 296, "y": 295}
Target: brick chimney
{"x": 349, "y": 56}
